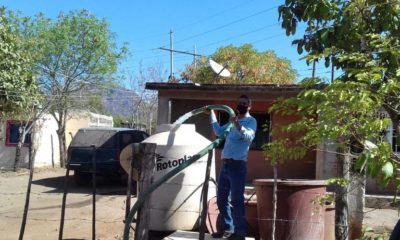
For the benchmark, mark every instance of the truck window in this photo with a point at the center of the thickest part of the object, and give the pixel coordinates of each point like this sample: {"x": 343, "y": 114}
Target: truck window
{"x": 126, "y": 138}
{"x": 102, "y": 139}
{"x": 130, "y": 137}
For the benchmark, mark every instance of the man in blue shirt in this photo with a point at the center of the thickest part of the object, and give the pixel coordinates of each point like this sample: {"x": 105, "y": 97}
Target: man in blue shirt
{"x": 232, "y": 177}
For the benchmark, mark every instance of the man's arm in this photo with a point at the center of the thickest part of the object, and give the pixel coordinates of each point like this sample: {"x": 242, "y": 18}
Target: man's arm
{"x": 218, "y": 130}
{"x": 247, "y": 130}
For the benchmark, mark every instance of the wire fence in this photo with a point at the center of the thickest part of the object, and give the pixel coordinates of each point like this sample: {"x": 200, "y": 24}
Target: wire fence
{"x": 88, "y": 220}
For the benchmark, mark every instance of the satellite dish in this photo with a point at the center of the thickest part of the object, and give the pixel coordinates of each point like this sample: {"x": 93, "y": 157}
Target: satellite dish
{"x": 218, "y": 69}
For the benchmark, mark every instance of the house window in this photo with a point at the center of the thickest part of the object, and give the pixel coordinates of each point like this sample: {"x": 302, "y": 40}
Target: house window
{"x": 391, "y": 133}
{"x": 12, "y": 134}
{"x": 395, "y": 141}
{"x": 261, "y": 136}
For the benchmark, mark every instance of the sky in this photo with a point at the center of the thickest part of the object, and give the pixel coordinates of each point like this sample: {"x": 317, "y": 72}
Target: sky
{"x": 204, "y": 25}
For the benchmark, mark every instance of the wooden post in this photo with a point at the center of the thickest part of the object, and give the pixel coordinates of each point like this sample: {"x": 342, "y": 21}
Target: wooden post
{"x": 64, "y": 200}
{"x": 94, "y": 192}
{"x": 52, "y": 150}
{"x": 205, "y": 196}
{"x": 28, "y": 191}
{"x": 135, "y": 152}
{"x": 146, "y": 165}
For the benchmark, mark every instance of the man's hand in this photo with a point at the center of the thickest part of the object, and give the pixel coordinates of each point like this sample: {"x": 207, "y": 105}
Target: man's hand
{"x": 235, "y": 121}
{"x": 207, "y": 110}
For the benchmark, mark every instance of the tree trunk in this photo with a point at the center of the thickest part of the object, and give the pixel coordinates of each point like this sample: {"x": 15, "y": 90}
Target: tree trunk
{"x": 17, "y": 155}
{"x": 274, "y": 201}
{"x": 21, "y": 140}
{"x": 356, "y": 203}
{"x": 341, "y": 196}
{"x": 62, "y": 145}
{"x": 61, "y": 119}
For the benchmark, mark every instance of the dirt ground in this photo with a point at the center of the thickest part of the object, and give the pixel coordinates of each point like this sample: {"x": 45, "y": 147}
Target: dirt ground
{"x": 45, "y": 208}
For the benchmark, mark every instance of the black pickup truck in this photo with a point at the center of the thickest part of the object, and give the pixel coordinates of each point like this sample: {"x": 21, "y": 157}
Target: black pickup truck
{"x": 109, "y": 142}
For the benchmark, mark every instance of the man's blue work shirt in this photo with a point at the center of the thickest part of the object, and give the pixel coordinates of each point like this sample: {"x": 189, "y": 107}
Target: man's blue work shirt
{"x": 237, "y": 142}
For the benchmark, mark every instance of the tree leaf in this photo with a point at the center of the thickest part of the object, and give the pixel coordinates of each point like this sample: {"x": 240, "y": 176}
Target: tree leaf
{"x": 387, "y": 170}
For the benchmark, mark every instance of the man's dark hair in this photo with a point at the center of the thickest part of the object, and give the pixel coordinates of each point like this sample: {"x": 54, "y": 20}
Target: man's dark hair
{"x": 247, "y": 98}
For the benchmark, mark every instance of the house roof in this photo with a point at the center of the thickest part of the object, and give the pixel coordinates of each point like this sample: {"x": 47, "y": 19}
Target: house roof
{"x": 116, "y": 129}
{"x": 224, "y": 87}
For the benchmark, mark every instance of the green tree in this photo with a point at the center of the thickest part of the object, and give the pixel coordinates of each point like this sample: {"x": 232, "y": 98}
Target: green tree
{"x": 17, "y": 79}
{"x": 361, "y": 39}
{"x": 19, "y": 93}
{"x": 95, "y": 104}
{"x": 120, "y": 121}
{"x": 76, "y": 51}
{"x": 247, "y": 66}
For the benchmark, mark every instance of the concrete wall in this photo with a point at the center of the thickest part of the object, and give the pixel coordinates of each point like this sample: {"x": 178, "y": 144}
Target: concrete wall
{"x": 79, "y": 120}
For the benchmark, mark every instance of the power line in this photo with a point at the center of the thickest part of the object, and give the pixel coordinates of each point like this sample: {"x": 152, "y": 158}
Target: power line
{"x": 191, "y": 24}
{"x": 244, "y": 34}
{"x": 268, "y": 38}
{"x": 212, "y": 16}
{"x": 144, "y": 50}
{"x": 239, "y": 35}
{"x": 213, "y": 43}
{"x": 152, "y": 36}
{"x": 227, "y": 24}
{"x": 195, "y": 23}
{"x": 155, "y": 56}
{"x": 182, "y": 52}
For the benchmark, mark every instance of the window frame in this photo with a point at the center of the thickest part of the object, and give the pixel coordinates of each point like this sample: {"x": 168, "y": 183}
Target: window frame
{"x": 393, "y": 139}
{"x": 9, "y": 123}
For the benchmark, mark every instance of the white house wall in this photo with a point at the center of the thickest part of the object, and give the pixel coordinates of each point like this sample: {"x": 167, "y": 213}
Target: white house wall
{"x": 48, "y": 151}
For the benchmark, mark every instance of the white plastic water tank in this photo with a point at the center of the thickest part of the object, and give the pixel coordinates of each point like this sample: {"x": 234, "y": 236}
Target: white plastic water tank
{"x": 176, "y": 204}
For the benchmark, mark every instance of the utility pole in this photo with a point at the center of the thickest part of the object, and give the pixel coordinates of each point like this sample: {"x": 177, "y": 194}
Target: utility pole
{"x": 171, "y": 46}
{"x": 182, "y": 52}
{"x": 150, "y": 120}
{"x": 172, "y": 51}
{"x": 194, "y": 56}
